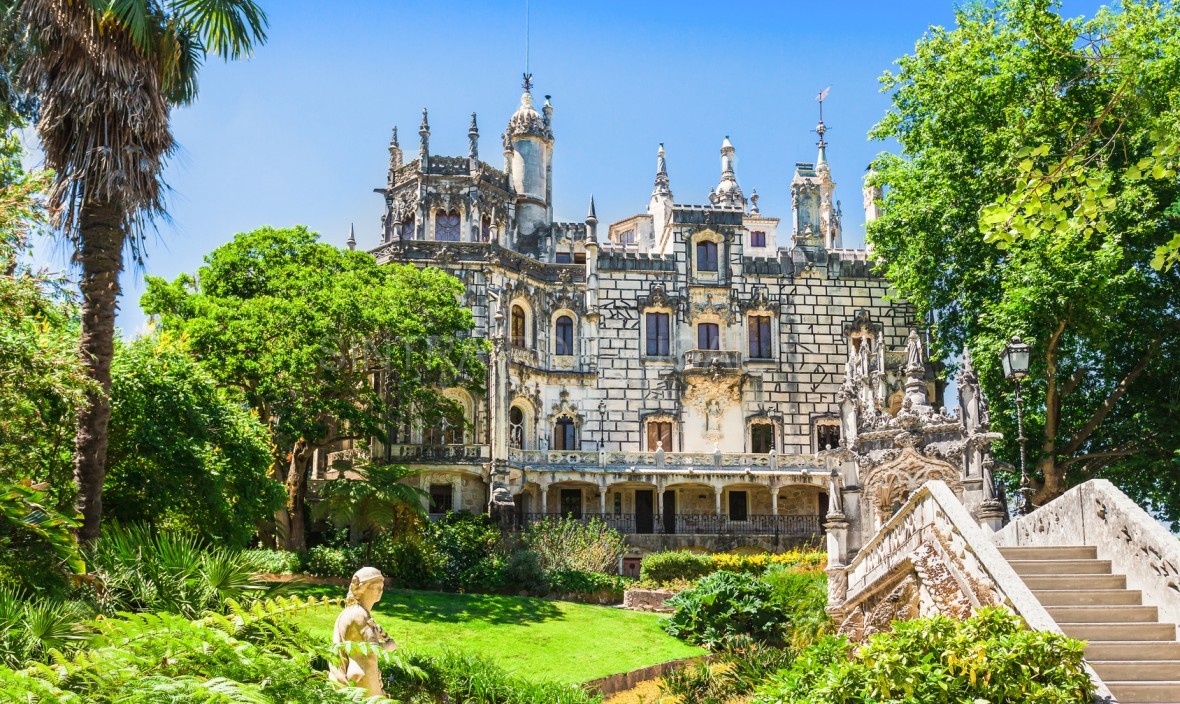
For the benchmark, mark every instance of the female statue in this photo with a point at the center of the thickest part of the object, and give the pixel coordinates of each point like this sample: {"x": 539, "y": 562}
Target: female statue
{"x": 356, "y": 625}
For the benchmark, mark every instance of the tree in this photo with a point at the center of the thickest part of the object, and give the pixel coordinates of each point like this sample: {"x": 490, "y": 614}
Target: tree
{"x": 1016, "y": 95}
{"x": 183, "y": 453}
{"x": 368, "y": 498}
{"x": 325, "y": 344}
{"x": 105, "y": 75}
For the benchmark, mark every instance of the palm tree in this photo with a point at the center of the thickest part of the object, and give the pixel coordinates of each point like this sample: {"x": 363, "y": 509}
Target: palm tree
{"x": 371, "y": 499}
{"x": 105, "y": 75}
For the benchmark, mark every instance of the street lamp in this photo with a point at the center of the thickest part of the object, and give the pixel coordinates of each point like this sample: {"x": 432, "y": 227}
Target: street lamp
{"x": 1015, "y": 359}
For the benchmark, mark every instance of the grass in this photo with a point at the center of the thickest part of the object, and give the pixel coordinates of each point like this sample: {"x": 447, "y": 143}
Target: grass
{"x": 533, "y": 638}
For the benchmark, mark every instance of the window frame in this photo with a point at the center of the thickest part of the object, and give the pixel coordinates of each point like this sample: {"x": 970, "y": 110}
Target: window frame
{"x": 660, "y": 430}
{"x": 449, "y": 494}
{"x": 703, "y": 329}
{"x": 760, "y": 336}
{"x": 520, "y": 340}
{"x": 563, "y": 339}
{"x": 438, "y": 225}
{"x": 707, "y": 256}
{"x": 757, "y": 238}
{"x": 661, "y": 350}
{"x": 765, "y": 432}
{"x": 565, "y": 434}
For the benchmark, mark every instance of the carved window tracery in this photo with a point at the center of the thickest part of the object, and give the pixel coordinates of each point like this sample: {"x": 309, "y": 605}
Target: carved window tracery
{"x": 447, "y": 226}
{"x": 516, "y": 428}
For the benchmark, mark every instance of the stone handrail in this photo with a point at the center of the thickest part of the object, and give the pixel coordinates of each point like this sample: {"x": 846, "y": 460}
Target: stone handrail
{"x": 701, "y": 461}
{"x": 1096, "y": 513}
{"x": 934, "y": 541}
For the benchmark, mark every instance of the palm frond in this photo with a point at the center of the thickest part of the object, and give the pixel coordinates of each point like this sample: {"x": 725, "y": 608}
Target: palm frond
{"x": 226, "y": 28}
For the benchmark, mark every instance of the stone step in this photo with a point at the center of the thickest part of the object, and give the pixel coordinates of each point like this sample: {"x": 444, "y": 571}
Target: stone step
{"x": 1120, "y": 631}
{"x": 1075, "y": 581}
{"x": 1031, "y": 567}
{"x": 1088, "y": 597}
{"x": 1132, "y": 650}
{"x": 1056, "y": 552}
{"x": 1144, "y": 692}
{"x": 1137, "y": 670}
{"x": 1103, "y": 614}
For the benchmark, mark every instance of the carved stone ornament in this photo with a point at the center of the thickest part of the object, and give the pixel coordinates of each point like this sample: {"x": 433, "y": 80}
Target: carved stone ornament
{"x": 711, "y": 391}
{"x": 891, "y": 482}
{"x": 565, "y": 409}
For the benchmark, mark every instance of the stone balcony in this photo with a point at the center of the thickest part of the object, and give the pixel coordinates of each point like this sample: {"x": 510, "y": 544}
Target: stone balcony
{"x": 657, "y": 462}
{"x": 696, "y": 360}
{"x": 692, "y": 523}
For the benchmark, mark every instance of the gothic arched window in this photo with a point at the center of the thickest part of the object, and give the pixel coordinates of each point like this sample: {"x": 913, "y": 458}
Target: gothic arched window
{"x": 516, "y": 428}
{"x": 406, "y": 228}
{"x": 446, "y": 226}
{"x": 565, "y": 435}
{"x": 519, "y": 339}
{"x": 564, "y": 336}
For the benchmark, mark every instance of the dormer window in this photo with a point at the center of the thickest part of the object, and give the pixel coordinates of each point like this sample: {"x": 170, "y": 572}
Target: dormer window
{"x": 706, "y": 256}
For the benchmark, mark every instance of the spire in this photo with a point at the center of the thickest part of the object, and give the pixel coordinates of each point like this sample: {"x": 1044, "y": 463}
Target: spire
{"x": 424, "y": 136}
{"x": 728, "y": 192}
{"x": 351, "y": 236}
{"x": 473, "y": 139}
{"x": 395, "y": 154}
{"x": 592, "y": 224}
{"x": 592, "y": 216}
{"x": 662, "y": 187}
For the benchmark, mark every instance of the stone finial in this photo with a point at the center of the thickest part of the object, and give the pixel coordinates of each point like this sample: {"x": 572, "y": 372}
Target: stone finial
{"x": 754, "y": 202}
{"x": 592, "y": 224}
{"x": 351, "y": 236}
{"x": 355, "y": 624}
{"x": 547, "y": 111}
{"x": 663, "y": 186}
{"x": 395, "y": 152}
{"x": 728, "y": 192}
{"x": 424, "y": 136}
{"x": 473, "y": 139}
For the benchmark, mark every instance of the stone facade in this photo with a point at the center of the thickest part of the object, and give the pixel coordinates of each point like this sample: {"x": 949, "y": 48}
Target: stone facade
{"x": 680, "y": 373}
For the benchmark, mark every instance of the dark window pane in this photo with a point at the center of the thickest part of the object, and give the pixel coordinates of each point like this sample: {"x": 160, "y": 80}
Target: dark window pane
{"x": 565, "y": 336}
{"x": 571, "y": 502}
{"x": 761, "y": 438}
{"x": 757, "y": 239}
{"x": 657, "y": 335}
{"x": 518, "y": 327}
{"x": 706, "y": 256}
{"x": 563, "y": 258}
{"x": 737, "y": 506}
{"x": 442, "y": 498}
{"x": 708, "y": 336}
{"x": 563, "y": 435}
{"x": 761, "y": 346}
{"x": 827, "y": 436}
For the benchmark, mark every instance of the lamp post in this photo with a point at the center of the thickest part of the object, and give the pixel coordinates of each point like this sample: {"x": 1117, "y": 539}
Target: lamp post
{"x": 1015, "y": 358}
{"x": 601, "y": 416}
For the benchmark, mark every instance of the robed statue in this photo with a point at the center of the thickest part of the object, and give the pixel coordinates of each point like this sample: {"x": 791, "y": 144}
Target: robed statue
{"x": 355, "y": 624}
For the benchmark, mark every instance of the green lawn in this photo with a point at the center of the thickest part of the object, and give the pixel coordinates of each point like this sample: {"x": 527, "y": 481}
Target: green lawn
{"x": 535, "y": 638}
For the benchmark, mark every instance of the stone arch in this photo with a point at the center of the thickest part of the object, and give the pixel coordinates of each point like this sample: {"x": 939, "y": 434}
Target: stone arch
{"x": 888, "y": 485}
{"x": 453, "y": 435}
{"x": 522, "y": 429}
{"x": 558, "y": 345}
{"x": 520, "y": 323}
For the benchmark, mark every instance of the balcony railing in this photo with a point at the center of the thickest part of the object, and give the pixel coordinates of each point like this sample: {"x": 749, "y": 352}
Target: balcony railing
{"x": 438, "y": 453}
{"x": 660, "y": 460}
{"x": 693, "y": 523}
{"x": 712, "y": 359}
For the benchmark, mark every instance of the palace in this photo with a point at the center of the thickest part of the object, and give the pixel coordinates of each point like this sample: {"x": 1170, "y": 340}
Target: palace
{"x": 677, "y": 373}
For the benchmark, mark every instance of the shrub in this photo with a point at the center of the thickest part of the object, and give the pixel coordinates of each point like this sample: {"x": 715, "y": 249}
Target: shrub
{"x": 326, "y": 561}
{"x": 469, "y": 550}
{"x": 723, "y": 605}
{"x": 523, "y": 571}
{"x": 736, "y": 672}
{"x": 454, "y": 677}
{"x": 276, "y": 561}
{"x": 802, "y": 596}
{"x": 588, "y": 583}
{"x": 407, "y": 559}
{"x": 31, "y": 627}
{"x": 665, "y": 567}
{"x": 990, "y": 657}
{"x": 565, "y": 544}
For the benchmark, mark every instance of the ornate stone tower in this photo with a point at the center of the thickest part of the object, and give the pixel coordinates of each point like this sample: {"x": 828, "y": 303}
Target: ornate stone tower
{"x": 529, "y": 139}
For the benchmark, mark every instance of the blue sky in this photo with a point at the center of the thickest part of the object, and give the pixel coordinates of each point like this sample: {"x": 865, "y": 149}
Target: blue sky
{"x": 298, "y": 133}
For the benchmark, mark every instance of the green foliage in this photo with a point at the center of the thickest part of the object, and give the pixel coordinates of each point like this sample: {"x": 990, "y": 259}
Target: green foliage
{"x": 471, "y": 552}
{"x": 32, "y": 627}
{"x": 328, "y": 561}
{"x": 801, "y": 595}
{"x": 670, "y": 566}
{"x": 357, "y": 322}
{"x": 184, "y": 454}
{"x": 990, "y": 657}
{"x": 1035, "y": 187}
{"x": 409, "y": 559}
{"x": 252, "y": 655}
{"x": 276, "y": 561}
{"x": 568, "y": 544}
{"x": 736, "y": 672}
{"x": 375, "y": 500}
{"x": 33, "y": 534}
{"x": 723, "y": 605}
{"x": 168, "y": 571}
{"x": 588, "y": 583}
{"x": 457, "y": 677}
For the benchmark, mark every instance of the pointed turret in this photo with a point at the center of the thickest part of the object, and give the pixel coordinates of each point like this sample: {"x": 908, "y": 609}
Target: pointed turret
{"x": 424, "y": 139}
{"x": 530, "y": 139}
{"x": 473, "y": 139}
{"x": 395, "y": 154}
{"x": 591, "y": 225}
{"x": 351, "y": 236}
{"x": 728, "y": 193}
{"x": 663, "y": 186}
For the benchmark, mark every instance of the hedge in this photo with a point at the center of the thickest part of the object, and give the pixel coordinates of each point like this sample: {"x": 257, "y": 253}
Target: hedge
{"x": 679, "y": 566}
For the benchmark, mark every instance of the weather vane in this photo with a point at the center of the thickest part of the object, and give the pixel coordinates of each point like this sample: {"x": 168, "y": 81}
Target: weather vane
{"x": 528, "y": 82}
{"x": 823, "y": 95}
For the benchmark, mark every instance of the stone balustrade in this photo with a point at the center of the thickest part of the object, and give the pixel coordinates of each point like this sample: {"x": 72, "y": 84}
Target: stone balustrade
{"x": 736, "y": 462}
{"x": 711, "y": 359}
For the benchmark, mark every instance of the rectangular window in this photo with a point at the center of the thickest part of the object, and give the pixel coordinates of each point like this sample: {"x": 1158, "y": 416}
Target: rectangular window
{"x": 708, "y": 336}
{"x": 563, "y": 258}
{"x": 706, "y": 256}
{"x": 761, "y": 438}
{"x": 442, "y": 498}
{"x": 760, "y": 341}
{"x": 737, "y": 506}
{"x": 757, "y": 239}
{"x": 571, "y": 502}
{"x": 564, "y": 435}
{"x": 659, "y": 433}
{"x": 657, "y": 335}
{"x": 827, "y": 436}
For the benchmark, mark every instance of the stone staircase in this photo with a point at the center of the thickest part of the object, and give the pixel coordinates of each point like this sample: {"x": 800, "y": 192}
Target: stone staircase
{"x": 1135, "y": 655}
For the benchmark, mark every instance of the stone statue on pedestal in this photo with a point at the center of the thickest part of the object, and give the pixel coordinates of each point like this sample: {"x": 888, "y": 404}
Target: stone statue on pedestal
{"x": 355, "y": 624}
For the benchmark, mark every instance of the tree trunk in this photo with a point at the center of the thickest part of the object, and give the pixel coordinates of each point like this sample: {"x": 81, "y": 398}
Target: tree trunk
{"x": 296, "y": 482}
{"x": 100, "y": 254}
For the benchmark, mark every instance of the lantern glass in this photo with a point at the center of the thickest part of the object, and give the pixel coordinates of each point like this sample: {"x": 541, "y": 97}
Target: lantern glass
{"x": 1015, "y": 359}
